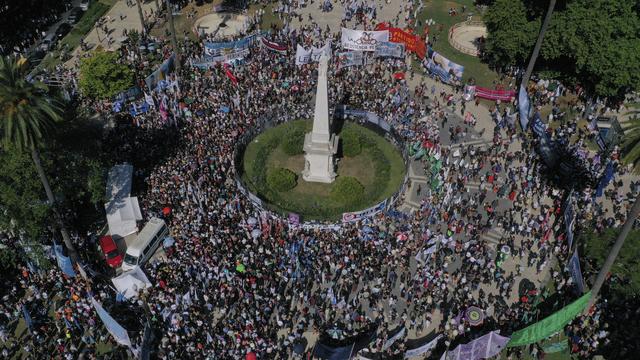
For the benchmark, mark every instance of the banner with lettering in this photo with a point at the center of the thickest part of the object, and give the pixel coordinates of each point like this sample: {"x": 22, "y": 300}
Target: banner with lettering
{"x": 389, "y": 49}
{"x": 304, "y": 56}
{"x": 490, "y": 94}
{"x": 221, "y": 48}
{"x": 208, "y": 61}
{"x": 350, "y": 58}
{"x": 363, "y": 40}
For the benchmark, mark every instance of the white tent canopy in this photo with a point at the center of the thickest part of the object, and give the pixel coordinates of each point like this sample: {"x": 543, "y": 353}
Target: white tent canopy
{"x": 131, "y": 282}
{"x": 122, "y": 216}
{"x": 122, "y": 210}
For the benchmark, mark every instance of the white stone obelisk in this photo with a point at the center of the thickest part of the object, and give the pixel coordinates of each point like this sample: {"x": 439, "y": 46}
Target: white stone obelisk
{"x": 320, "y": 145}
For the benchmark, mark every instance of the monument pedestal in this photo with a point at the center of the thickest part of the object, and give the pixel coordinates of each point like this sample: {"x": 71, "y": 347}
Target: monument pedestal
{"x": 318, "y": 165}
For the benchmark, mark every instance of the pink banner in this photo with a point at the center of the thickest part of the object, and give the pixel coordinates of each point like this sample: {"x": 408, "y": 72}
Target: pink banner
{"x": 502, "y": 95}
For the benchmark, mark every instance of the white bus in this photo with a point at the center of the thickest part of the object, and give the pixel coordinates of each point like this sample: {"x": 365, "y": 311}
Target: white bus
{"x": 146, "y": 244}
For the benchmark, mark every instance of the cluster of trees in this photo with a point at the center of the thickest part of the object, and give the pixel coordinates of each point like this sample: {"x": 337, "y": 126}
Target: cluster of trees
{"x": 593, "y": 43}
{"x": 36, "y": 146}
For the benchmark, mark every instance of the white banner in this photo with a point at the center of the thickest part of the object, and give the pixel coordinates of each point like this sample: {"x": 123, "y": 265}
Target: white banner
{"x": 363, "y": 40}
{"x": 116, "y": 330}
{"x": 304, "y": 56}
{"x": 317, "y": 52}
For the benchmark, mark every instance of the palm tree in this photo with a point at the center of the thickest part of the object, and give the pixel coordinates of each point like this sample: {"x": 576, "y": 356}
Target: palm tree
{"x": 27, "y": 117}
{"x": 536, "y": 48}
{"x": 631, "y": 155}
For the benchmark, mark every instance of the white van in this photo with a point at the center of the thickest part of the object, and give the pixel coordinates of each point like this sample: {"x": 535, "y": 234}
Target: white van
{"x": 145, "y": 244}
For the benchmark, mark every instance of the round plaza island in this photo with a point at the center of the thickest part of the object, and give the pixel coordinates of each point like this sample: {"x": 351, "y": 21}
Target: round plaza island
{"x": 369, "y": 170}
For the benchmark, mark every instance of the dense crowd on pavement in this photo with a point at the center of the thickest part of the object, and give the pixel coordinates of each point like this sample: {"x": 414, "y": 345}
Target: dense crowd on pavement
{"x": 421, "y": 269}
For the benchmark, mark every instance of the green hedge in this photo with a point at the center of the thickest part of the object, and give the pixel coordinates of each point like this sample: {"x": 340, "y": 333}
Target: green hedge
{"x": 347, "y": 190}
{"x": 351, "y": 145}
{"x": 293, "y": 141}
{"x": 281, "y": 179}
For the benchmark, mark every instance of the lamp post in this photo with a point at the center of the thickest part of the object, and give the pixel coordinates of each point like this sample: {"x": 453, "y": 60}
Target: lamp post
{"x": 174, "y": 41}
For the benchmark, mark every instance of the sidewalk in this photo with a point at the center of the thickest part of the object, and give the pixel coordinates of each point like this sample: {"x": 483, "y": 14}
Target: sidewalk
{"x": 121, "y": 17}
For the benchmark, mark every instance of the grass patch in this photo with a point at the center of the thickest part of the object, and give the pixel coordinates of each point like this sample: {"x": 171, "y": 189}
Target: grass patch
{"x": 438, "y": 10}
{"x": 379, "y": 169}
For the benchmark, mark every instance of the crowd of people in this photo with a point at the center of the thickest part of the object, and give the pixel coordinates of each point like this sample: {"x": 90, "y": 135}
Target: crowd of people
{"x": 224, "y": 292}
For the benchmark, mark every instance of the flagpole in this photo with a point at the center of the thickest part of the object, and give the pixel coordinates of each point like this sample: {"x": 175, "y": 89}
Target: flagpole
{"x": 351, "y": 353}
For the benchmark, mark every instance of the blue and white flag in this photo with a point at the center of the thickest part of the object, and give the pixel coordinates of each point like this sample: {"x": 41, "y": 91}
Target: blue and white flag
{"x": 63, "y": 261}
{"x": 524, "y": 107}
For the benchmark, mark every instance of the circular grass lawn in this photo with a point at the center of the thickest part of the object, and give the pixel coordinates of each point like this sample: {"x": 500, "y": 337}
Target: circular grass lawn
{"x": 370, "y": 169}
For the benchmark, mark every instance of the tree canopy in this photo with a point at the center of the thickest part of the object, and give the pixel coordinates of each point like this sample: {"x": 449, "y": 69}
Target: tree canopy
{"x": 626, "y": 268}
{"x": 103, "y": 76}
{"x": 594, "y": 43}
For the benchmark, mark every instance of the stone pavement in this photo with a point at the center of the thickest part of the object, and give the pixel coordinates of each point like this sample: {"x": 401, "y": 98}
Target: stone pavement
{"x": 119, "y": 18}
{"x": 386, "y": 12}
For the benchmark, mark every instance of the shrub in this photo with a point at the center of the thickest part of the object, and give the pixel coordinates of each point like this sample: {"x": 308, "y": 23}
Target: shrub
{"x": 351, "y": 145}
{"x": 281, "y": 179}
{"x": 347, "y": 190}
{"x": 293, "y": 141}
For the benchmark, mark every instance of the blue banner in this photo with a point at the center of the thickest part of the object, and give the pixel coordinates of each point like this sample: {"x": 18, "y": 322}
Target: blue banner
{"x": 389, "y": 49}
{"x": 350, "y": 58}
{"x": 63, "y": 261}
{"x": 576, "y": 273}
{"x": 539, "y": 128}
{"x": 524, "y": 107}
{"x": 221, "y": 48}
{"x": 437, "y": 70}
{"x": 27, "y": 317}
{"x": 606, "y": 178}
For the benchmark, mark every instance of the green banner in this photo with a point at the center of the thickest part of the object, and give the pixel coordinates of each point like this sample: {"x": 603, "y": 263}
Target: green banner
{"x": 550, "y": 325}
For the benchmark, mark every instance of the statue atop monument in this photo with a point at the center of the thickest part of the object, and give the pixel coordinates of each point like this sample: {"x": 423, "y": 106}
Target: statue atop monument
{"x": 320, "y": 145}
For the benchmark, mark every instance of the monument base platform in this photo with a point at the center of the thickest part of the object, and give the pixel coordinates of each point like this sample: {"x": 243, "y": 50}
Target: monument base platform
{"x": 319, "y": 166}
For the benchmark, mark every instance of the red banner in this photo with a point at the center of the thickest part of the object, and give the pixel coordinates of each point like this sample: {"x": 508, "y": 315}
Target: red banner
{"x": 412, "y": 42}
{"x": 489, "y": 94}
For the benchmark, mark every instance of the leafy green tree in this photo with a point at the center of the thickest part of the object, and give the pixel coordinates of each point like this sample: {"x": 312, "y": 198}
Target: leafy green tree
{"x": 626, "y": 267}
{"x": 594, "y": 43}
{"x": 103, "y": 76}
{"x": 28, "y": 118}
{"x": 23, "y": 207}
{"x": 510, "y": 35}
